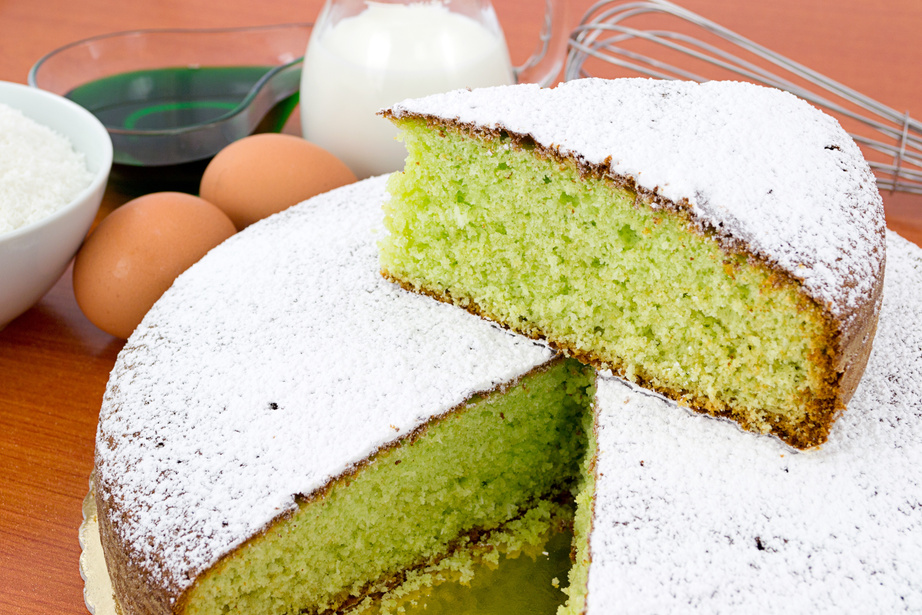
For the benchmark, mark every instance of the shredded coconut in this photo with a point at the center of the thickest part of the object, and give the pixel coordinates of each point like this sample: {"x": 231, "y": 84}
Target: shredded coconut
{"x": 694, "y": 515}
{"x": 40, "y": 172}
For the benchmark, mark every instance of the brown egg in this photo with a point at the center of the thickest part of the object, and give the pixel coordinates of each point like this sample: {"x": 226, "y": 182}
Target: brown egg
{"x": 263, "y": 174}
{"x": 137, "y": 251}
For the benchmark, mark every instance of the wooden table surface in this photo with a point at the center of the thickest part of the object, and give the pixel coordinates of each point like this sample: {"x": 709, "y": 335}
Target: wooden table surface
{"x": 54, "y": 364}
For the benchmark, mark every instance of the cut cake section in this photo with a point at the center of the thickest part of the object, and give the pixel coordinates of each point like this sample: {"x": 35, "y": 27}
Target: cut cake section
{"x": 721, "y": 243}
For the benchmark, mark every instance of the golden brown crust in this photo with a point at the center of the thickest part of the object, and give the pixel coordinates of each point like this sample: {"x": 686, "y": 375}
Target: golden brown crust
{"x": 137, "y": 593}
{"x": 857, "y": 339}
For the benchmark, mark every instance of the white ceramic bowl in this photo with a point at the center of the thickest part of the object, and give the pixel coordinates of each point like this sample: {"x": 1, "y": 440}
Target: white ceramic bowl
{"x": 33, "y": 257}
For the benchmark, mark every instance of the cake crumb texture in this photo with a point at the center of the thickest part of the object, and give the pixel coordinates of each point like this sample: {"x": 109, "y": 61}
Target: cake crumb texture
{"x": 692, "y": 515}
{"x": 511, "y": 571}
{"x": 791, "y": 199}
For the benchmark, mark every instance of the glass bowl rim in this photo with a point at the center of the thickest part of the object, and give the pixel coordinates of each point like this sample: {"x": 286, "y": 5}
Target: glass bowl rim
{"x": 254, "y": 90}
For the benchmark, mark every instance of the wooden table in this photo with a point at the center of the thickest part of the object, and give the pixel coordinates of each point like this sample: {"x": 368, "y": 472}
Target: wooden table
{"x": 54, "y": 364}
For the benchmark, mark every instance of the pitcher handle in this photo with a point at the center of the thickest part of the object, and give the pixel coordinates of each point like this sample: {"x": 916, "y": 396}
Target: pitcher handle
{"x": 546, "y": 62}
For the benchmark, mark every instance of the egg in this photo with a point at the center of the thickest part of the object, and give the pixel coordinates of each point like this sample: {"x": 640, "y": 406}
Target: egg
{"x": 263, "y": 174}
{"x": 137, "y": 251}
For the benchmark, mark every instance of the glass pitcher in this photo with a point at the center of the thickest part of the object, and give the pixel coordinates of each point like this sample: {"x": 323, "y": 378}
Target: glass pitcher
{"x": 366, "y": 55}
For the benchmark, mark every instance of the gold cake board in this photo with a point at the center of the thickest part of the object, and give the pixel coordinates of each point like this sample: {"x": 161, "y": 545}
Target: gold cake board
{"x": 97, "y": 590}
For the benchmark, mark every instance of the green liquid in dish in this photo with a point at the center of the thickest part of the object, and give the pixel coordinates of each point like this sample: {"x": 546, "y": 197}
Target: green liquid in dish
{"x": 180, "y": 117}
{"x": 173, "y": 98}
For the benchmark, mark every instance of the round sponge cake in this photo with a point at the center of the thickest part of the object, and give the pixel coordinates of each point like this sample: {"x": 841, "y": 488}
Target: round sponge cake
{"x": 283, "y": 363}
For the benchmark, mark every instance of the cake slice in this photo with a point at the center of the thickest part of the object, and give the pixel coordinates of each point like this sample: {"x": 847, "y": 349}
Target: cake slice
{"x": 288, "y": 432}
{"x": 743, "y": 524}
{"x": 722, "y": 243}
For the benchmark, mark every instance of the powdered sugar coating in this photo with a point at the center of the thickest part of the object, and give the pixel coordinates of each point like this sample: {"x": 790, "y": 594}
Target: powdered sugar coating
{"x": 277, "y": 362}
{"x": 757, "y": 165}
{"x": 694, "y": 515}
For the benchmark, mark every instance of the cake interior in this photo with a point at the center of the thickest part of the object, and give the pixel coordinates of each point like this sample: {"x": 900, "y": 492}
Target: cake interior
{"x": 501, "y": 457}
{"x": 584, "y": 501}
{"x": 520, "y": 570}
{"x": 491, "y": 222}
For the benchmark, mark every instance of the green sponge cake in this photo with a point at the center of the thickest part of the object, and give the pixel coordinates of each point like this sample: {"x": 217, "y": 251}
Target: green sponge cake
{"x": 288, "y": 432}
{"x": 719, "y": 243}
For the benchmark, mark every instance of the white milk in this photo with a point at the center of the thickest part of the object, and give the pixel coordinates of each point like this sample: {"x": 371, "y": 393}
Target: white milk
{"x": 383, "y": 55}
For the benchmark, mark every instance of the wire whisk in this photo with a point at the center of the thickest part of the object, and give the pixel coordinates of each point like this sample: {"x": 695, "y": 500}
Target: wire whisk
{"x": 659, "y": 39}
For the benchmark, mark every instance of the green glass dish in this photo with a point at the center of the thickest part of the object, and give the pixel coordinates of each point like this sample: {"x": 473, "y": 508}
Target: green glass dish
{"x": 172, "y": 99}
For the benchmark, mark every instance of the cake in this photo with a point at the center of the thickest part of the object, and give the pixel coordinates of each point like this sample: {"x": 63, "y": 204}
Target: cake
{"x": 282, "y": 376}
{"x": 721, "y": 243}
{"x": 282, "y": 393}
{"x": 692, "y": 515}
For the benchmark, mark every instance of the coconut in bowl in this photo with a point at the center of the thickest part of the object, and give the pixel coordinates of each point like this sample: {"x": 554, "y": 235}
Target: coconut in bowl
{"x": 48, "y": 197}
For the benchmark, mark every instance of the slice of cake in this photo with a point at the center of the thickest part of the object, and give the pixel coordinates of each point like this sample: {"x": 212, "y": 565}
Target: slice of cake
{"x": 288, "y": 431}
{"x": 720, "y": 243}
{"x": 743, "y": 524}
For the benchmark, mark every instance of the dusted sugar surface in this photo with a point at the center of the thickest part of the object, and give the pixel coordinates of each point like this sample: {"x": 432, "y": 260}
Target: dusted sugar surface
{"x": 287, "y": 329}
{"x": 694, "y": 515}
{"x": 755, "y": 164}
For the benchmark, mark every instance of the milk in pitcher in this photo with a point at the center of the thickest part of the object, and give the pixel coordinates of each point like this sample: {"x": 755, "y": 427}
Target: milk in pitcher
{"x": 385, "y": 54}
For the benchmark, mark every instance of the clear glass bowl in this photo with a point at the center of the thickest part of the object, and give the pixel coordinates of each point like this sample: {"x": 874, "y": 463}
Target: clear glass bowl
{"x": 171, "y": 99}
